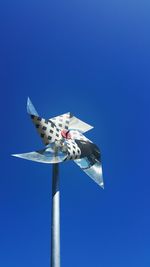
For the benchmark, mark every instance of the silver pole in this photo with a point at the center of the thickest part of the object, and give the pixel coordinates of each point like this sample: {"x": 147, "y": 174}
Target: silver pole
{"x": 55, "y": 230}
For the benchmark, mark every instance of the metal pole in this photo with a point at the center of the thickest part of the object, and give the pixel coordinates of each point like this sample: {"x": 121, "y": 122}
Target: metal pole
{"x": 55, "y": 230}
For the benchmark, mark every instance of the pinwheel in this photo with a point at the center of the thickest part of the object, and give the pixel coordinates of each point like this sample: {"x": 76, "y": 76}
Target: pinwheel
{"x": 63, "y": 141}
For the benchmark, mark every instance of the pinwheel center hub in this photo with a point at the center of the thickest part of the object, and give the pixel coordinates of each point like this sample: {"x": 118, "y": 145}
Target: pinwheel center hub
{"x": 65, "y": 134}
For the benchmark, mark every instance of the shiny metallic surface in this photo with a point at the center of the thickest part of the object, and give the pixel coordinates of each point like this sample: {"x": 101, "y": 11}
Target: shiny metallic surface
{"x": 93, "y": 170}
{"x": 79, "y": 125}
{"x": 46, "y": 155}
{"x": 30, "y": 108}
{"x": 55, "y": 227}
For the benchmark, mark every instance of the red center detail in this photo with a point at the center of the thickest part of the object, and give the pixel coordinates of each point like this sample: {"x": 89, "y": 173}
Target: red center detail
{"x": 65, "y": 134}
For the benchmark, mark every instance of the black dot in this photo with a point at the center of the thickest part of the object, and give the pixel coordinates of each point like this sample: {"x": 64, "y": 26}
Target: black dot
{"x": 32, "y": 116}
{"x": 52, "y": 124}
{"x": 49, "y": 137}
{"x": 51, "y": 131}
{"x": 60, "y": 125}
{"x": 42, "y": 135}
{"x": 44, "y": 128}
{"x": 37, "y": 125}
{"x": 39, "y": 119}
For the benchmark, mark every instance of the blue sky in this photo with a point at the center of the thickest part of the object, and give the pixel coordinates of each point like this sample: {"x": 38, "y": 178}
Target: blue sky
{"x": 90, "y": 58}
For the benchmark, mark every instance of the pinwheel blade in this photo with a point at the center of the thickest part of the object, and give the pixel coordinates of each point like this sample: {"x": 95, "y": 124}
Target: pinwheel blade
{"x": 46, "y": 128}
{"x": 46, "y": 155}
{"x": 69, "y": 122}
{"x": 30, "y": 108}
{"x": 94, "y": 171}
{"x": 79, "y": 125}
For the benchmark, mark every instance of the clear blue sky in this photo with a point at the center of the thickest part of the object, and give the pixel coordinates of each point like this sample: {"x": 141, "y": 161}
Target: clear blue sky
{"x": 91, "y": 58}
